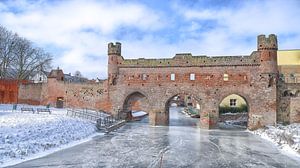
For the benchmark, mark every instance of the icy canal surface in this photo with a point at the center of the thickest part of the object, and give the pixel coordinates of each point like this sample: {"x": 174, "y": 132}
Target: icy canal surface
{"x": 180, "y": 145}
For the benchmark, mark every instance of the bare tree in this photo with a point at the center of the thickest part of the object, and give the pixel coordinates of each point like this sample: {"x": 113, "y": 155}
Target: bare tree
{"x": 19, "y": 58}
{"x": 7, "y": 45}
{"x": 78, "y": 74}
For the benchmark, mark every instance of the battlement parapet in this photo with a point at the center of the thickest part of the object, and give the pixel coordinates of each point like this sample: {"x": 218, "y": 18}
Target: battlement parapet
{"x": 189, "y": 60}
{"x": 183, "y": 56}
{"x": 114, "y": 49}
{"x": 267, "y": 43}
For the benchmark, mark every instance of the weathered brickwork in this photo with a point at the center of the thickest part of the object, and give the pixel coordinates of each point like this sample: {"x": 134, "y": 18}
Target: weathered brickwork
{"x": 253, "y": 77}
{"x": 79, "y": 95}
{"x": 288, "y": 102}
{"x": 30, "y": 93}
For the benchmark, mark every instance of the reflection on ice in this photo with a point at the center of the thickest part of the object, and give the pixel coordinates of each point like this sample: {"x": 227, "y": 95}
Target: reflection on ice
{"x": 177, "y": 118}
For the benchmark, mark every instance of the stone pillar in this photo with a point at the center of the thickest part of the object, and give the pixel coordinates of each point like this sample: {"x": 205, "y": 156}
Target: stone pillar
{"x": 209, "y": 119}
{"x": 159, "y": 117}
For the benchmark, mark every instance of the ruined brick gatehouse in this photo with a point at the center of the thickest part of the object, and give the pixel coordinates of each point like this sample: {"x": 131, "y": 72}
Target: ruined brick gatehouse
{"x": 252, "y": 77}
{"x": 150, "y": 84}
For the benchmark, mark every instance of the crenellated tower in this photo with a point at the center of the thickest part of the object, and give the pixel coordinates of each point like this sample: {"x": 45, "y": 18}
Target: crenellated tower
{"x": 267, "y": 46}
{"x": 114, "y": 58}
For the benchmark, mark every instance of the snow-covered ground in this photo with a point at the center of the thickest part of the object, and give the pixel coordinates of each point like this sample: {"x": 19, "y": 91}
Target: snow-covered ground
{"x": 139, "y": 113}
{"x": 286, "y": 137}
{"x": 25, "y": 135}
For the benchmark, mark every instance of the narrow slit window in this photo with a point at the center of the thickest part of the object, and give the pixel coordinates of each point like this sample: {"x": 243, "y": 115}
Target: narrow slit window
{"x": 144, "y": 77}
{"x": 172, "y": 77}
{"x": 192, "y": 77}
{"x": 226, "y": 77}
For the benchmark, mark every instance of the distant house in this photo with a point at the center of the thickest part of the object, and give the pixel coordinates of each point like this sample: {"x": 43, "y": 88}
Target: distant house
{"x": 75, "y": 79}
{"x": 58, "y": 74}
{"x": 288, "y": 65}
{"x": 39, "y": 77}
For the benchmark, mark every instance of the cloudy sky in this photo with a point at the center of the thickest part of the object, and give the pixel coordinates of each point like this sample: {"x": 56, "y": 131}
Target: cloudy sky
{"x": 76, "y": 32}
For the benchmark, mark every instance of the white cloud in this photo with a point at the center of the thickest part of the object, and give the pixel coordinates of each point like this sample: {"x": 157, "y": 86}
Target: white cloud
{"x": 252, "y": 16}
{"x": 80, "y": 30}
{"x": 234, "y": 33}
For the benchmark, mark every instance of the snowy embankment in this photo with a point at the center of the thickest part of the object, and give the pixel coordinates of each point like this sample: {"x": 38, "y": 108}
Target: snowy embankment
{"x": 139, "y": 114}
{"x": 286, "y": 137}
{"x": 27, "y": 135}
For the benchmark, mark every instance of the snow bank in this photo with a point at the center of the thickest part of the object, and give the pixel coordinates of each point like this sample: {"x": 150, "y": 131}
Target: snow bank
{"x": 284, "y": 136}
{"x": 138, "y": 114}
{"x": 25, "y": 134}
{"x": 9, "y": 108}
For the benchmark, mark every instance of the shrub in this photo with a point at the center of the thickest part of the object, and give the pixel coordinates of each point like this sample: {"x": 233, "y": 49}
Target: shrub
{"x": 227, "y": 109}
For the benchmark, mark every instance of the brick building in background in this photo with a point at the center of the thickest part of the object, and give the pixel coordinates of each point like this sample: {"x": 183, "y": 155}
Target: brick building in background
{"x": 151, "y": 84}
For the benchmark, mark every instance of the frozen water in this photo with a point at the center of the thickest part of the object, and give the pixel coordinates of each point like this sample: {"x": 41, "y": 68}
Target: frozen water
{"x": 180, "y": 145}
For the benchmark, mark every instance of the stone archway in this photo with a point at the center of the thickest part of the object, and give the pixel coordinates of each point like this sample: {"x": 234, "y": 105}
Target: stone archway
{"x": 233, "y": 109}
{"x": 135, "y": 101}
{"x": 297, "y": 93}
{"x": 187, "y": 100}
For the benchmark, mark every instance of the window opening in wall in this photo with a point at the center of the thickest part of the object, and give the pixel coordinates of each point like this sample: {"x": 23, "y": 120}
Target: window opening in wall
{"x": 232, "y": 102}
{"x": 172, "y": 77}
{"x": 226, "y": 77}
{"x": 192, "y": 76}
{"x": 144, "y": 77}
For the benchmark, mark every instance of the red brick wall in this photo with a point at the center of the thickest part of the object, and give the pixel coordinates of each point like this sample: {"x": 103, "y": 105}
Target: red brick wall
{"x": 8, "y": 91}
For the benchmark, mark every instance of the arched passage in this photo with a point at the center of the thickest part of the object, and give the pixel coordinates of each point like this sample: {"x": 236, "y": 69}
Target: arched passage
{"x": 233, "y": 112}
{"x": 183, "y": 110}
{"x": 297, "y": 94}
{"x": 287, "y": 93}
{"x": 134, "y": 102}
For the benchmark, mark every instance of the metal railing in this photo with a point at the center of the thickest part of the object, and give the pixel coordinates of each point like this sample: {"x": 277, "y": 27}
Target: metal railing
{"x": 86, "y": 114}
{"x": 110, "y": 122}
{"x": 103, "y": 120}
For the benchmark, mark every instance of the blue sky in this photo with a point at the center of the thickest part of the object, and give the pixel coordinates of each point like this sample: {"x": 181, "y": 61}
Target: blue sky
{"x": 77, "y": 32}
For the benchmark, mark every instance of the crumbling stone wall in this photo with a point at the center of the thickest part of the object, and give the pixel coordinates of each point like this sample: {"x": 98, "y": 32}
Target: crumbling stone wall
{"x": 77, "y": 95}
{"x": 295, "y": 110}
{"x": 288, "y": 102}
{"x": 84, "y": 95}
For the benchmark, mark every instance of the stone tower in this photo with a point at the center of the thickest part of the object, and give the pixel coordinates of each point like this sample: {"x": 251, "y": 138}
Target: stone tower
{"x": 268, "y": 53}
{"x": 114, "y": 58}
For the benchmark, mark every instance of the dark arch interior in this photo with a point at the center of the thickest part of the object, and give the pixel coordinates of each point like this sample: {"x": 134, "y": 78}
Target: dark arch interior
{"x": 233, "y": 112}
{"x": 135, "y": 102}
